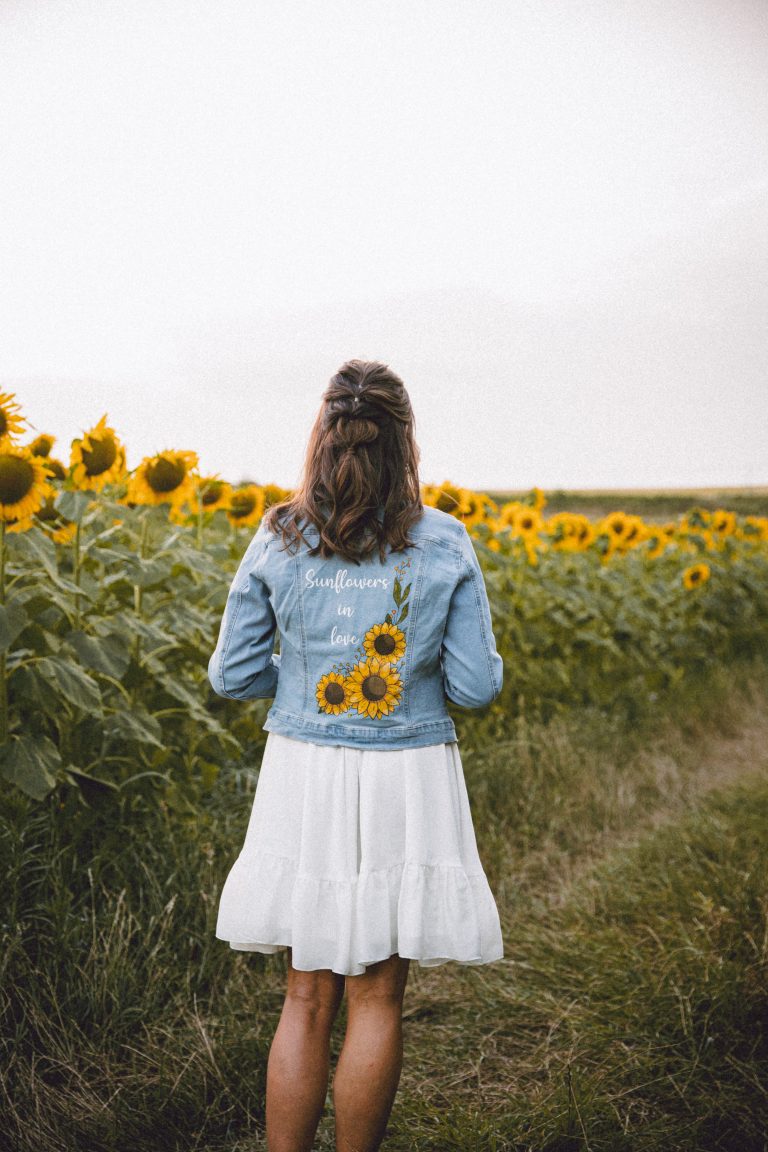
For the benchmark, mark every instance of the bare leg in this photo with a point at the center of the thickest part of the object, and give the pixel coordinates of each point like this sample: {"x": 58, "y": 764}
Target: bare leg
{"x": 299, "y": 1058}
{"x": 371, "y": 1059}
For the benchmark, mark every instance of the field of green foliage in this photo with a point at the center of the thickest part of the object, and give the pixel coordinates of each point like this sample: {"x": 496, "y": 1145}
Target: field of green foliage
{"x": 619, "y": 787}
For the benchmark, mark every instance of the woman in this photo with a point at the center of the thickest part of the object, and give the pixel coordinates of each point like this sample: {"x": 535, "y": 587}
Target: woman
{"x": 360, "y": 854}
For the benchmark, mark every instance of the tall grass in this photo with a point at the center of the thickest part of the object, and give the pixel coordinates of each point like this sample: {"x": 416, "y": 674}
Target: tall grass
{"x": 629, "y": 1011}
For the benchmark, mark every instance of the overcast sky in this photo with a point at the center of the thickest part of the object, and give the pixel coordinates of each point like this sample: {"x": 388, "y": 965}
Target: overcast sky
{"x": 550, "y": 218}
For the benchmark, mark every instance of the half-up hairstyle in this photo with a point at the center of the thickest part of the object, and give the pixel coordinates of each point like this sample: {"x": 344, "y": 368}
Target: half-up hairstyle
{"x": 361, "y": 457}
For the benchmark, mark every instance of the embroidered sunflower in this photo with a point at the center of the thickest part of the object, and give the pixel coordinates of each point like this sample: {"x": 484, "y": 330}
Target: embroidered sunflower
{"x": 385, "y": 641}
{"x": 332, "y": 694}
{"x": 374, "y": 687}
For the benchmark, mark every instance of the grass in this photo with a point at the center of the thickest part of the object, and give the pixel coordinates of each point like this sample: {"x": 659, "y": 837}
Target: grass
{"x": 630, "y": 1011}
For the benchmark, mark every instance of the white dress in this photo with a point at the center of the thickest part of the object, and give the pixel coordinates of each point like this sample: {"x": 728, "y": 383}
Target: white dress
{"x": 352, "y": 854}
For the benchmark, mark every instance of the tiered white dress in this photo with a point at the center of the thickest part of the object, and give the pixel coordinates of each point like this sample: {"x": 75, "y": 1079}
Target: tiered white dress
{"x": 352, "y": 854}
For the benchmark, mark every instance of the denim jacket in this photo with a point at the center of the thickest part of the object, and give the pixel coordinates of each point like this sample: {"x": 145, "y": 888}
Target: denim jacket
{"x": 369, "y": 652}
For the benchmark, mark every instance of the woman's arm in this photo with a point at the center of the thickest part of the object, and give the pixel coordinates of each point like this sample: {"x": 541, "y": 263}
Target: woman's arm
{"x": 472, "y": 668}
{"x": 244, "y": 665}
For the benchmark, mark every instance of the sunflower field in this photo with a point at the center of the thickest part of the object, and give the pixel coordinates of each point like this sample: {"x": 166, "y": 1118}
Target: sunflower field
{"x": 112, "y": 585}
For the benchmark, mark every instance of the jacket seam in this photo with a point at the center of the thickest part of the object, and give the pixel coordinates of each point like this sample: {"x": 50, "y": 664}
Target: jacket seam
{"x": 412, "y": 630}
{"x": 302, "y": 626}
{"x": 228, "y": 640}
{"x": 440, "y": 724}
{"x": 478, "y": 605}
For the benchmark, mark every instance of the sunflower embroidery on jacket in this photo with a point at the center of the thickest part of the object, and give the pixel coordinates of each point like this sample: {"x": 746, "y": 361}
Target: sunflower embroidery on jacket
{"x": 370, "y": 684}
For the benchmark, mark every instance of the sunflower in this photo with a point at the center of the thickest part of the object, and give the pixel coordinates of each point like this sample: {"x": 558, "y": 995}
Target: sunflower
{"x": 57, "y": 527}
{"x": 23, "y": 483}
{"x": 448, "y": 498}
{"x": 166, "y": 478}
{"x": 526, "y": 522}
{"x": 755, "y": 528}
{"x": 563, "y": 529}
{"x": 696, "y": 575}
{"x": 98, "y": 458}
{"x": 374, "y": 687}
{"x": 22, "y": 525}
{"x": 274, "y": 494}
{"x": 54, "y": 467}
{"x": 211, "y": 493}
{"x": 658, "y": 540}
{"x": 508, "y": 513}
{"x": 616, "y": 524}
{"x": 572, "y": 531}
{"x": 723, "y": 522}
{"x": 475, "y": 505}
{"x": 332, "y": 694}
{"x": 634, "y": 533}
{"x": 42, "y": 444}
{"x": 384, "y": 641}
{"x": 11, "y": 422}
{"x": 246, "y": 505}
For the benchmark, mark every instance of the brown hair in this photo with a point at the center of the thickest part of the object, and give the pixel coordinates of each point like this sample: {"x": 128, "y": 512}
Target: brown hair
{"x": 361, "y": 456}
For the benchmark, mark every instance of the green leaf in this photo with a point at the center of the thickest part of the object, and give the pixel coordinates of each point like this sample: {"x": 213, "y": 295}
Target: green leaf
{"x": 34, "y": 545}
{"x": 26, "y": 684}
{"x": 71, "y": 682}
{"x": 403, "y": 613}
{"x": 30, "y": 762}
{"x": 146, "y": 573}
{"x": 108, "y": 654}
{"x": 397, "y": 593}
{"x": 146, "y": 629}
{"x": 94, "y": 791}
{"x": 12, "y": 621}
{"x": 72, "y": 504}
{"x": 138, "y": 726}
{"x": 191, "y": 699}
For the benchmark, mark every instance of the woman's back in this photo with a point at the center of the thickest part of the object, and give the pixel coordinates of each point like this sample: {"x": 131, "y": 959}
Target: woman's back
{"x": 369, "y": 651}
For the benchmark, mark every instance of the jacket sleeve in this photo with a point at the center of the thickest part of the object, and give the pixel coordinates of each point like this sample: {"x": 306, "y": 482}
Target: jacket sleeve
{"x": 243, "y": 665}
{"x": 472, "y": 669}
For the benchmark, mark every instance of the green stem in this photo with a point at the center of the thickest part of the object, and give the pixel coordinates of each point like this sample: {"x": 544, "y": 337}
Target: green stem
{"x": 137, "y": 604}
{"x": 200, "y": 518}
{"x": 76, "y": 570}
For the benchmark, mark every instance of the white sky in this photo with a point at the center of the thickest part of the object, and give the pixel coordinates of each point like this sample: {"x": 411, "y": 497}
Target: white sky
{"x": 550, "y": 218}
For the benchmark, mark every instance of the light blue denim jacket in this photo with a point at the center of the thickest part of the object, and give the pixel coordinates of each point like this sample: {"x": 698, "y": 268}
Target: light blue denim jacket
{"x": 368, "y": 652}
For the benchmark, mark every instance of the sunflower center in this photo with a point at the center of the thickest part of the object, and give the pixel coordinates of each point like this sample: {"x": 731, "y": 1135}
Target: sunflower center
{"x": 211, "y": 493}
{"x": 384, "y": 644}
{"x": 165, "y": 475}
{"x": 334, "y": 693}
{"x": 242, "y": 504}
{"x": 42, "y": 446}
{"x": 48, "y": 514}
{"x": 445, "y": 503}
{"x": 100, "y": 456}
{"x": 17, "y": 477}
{"x": 3, "y": 423}
{"x": 374, "y": 688}
{"x": 54, "y": 467}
